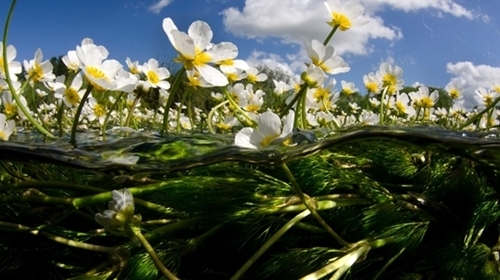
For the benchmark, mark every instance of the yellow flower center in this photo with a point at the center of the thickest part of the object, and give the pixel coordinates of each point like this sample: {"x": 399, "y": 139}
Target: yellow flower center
{"x": 3, "y": 136}
{"x": 426, "y": 102}
{"x": 200, "y": 58}
{"x": 496, "y": 88}
{"x": 340, "y": 20}
{"x": 224, "y": 126}
{"x": 232, "y": 77}
{"x": 267, "y": 140}
{"x": 347, "y": 91}
{"x": 326, "y": 105}
{"x": 400, "y": 107}
{"x": 252, "y": 108}
{"x": 10, "y": 109}
{"x": 389, "y": 80}
{"x": 252, "y": 78}
{"x": 454, "y": 93}
{"x": 2, "y": 69}
{"x": 227, "y": 62}
{"x": 372, "y": 87}
{"x": 488, "y": 99}
{"x": 99, "y": 110}
{"x": 321, "y": 94}
{"x": 153, "y": 77}
{"x": 36, "y": 73}
{"x": 133, "y": 69}
{"x": 193, "y": 81}
{"x": 71, "y": 95}
{"x": 320, "y": 64}
{"x": 95, "y": 72}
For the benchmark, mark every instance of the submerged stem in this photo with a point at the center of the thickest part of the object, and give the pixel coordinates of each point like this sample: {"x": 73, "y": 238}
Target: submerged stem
{"x": 269, "y": 243}
{"x": 310, "y": 207}
{"x": 153, "y": 254}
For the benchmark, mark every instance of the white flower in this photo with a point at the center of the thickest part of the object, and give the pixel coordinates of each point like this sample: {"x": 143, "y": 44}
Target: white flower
{"x": 98, "y": 71}
{"x": 253, "y": 75}
{"x": 268, "y": 131}
{"x": 369, "y": 118}
{"x": 313, "y": 76}
{"x": 70, "y": 95}
{"x": 94, "y": 110}
{"x": 348, "y": 88}
{"x": 389, "y": 77}
{"x": 402, "y": 105}
{"x": 487, "y": 96}
{"x": 14, "y": 66}
{"x": 196, "y": 52}
{"x": 37, "y": 70}
{"x": 120, "y": 212}
{"x": 423, "y": 99}
{"x": 281, "y": 87}
{"x": 346, "y": 16}
{"x": 455, "y": 87}
{"x": 325, "y": 58}
{"x": 372, "y": 84}
{"x": 133, "y": 66}
{"x": 6, "y": 127}
{"x": 156, "y": 75}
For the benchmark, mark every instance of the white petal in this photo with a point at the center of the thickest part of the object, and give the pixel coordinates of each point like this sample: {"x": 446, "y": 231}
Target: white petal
{"x": 242, "y": 138}
{"x": 212, "y": 75}
{"x": 269, "y": 124}
{"x": 168, "y": 26}
{"x": 201, "y": 33}
{"x": 223, "y": 51}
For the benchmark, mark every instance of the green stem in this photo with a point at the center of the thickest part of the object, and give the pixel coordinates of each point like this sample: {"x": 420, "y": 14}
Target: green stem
{"x": 130, "y": 111}
{"x": 294, "y": 100}
{"x": 35, "y": 199}
{"x": 59, "y": 239}
{"x": 237, "y": 109}
{"x": 78, "y": 112}
{"x": 269, "y": 243}
{"x": 389, "y": 262}
{"x": 480, "y": 114}
{"x": 170, "y": 99}
{"x": 153, "y": 255}
{"x": 16, "y": 97}
{"x": 312, "y": 208}
{"x": 382, "y": 113}
{"x": 327, "y": 39}
{"x": 108, "y": 115}
{"x": 211, "y": 114}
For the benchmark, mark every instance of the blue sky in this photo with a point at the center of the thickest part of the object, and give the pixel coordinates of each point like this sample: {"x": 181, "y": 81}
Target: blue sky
{"x": 434, "y": 41}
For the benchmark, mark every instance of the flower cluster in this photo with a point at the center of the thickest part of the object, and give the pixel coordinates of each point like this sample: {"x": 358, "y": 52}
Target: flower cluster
{"x": 98, "y": 92}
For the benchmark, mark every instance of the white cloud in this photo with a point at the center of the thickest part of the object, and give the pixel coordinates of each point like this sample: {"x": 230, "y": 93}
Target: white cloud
{"x": 158, "y": 6}
{"x": 295, "y": 20}
{"x": 271, "y": 60}
{"x": 443, "y": 6}
{"x": 474, "y": 76}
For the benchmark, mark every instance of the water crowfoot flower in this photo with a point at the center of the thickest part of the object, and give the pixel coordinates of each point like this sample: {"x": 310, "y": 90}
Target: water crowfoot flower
{"x": 325, "y": 58}
{"x": 347, "y": 16}
{"x": 120, "y": 214}
{"x": 6, "y": 127}
{"x": 39, "y": 71}
{"x": 14, "y": 66}
{"x": 268, "y": 131}
{"x": 196, "y": 52}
